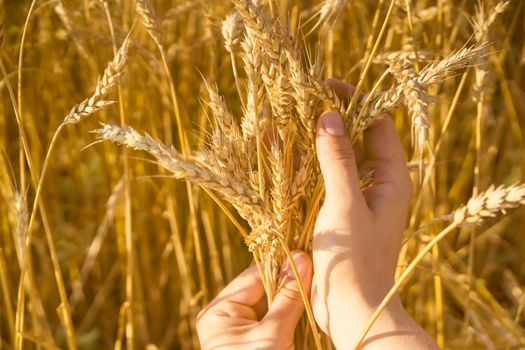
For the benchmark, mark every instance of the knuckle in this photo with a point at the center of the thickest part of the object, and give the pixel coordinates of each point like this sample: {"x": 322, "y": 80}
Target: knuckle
{"x": 292, "y": 294}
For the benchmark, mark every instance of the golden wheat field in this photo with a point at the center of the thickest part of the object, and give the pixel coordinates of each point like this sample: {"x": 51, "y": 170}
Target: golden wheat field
{"x": 137, "y": 177}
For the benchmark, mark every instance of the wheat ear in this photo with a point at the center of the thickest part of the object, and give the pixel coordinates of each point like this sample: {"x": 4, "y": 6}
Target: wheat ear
{"x": 490, "y": 203}
{"x": 237, "y": 194}
{"x": 416, "y": 101}
{"x": 105, "y": 85}
{"x": 232, "y": 28}
{"x": 149, "y": 20}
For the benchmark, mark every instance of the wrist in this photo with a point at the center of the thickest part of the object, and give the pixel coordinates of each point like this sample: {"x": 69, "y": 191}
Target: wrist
{"x": 348, "y": 319}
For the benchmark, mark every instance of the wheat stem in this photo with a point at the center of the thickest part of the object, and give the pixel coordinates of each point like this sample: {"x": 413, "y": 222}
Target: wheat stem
{"x": 19, "y": 89}
{"x": 130, "y": 260}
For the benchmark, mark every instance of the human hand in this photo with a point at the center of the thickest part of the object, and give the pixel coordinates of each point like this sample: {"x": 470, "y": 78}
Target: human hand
{"x": 238, "y": 318}
{"x": 358, "y": 234}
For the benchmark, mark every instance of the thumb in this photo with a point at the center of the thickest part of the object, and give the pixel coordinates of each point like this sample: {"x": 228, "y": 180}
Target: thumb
{"x": 336, "y": 159}
{"x": 287, "y": 307}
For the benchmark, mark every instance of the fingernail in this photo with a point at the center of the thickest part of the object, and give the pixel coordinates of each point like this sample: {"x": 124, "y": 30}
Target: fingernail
{"x": 331, "y": 123}
{"x": 301, "y": 262}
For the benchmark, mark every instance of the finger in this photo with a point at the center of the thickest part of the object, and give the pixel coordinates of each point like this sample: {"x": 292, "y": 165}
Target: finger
{"x": 287, "y": 307}
{"x": 337, "y": 160}
{"x": 391, "y": 176}
{"x": 245, "y": 291}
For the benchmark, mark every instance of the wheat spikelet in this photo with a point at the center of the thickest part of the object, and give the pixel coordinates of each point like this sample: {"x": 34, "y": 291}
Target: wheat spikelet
{"x": 305, "y": 100}
{"x": 21, "y": 220}
{"x": 326, "y": 94}
{"x": 278, "y": 89}
{"x": 223, "y": 116}
{"x": 238, "y": 194}
{"x": 388, "y": 57}
{"x": 328, "y": 13}
{"x": 232, "y": 28}
{"x": 261, "y": 25}
{"x": 481, "y": 23}
{"x": 385, "y": 101}
{"x": 264, "y": 238}
{"x": 149, "y": 20}
{"x": 280, "y": 189}
{"x": 416, "y": 101}
{"x": 301, "y": 178}
{"x": 273, "y": 41}
{"x": 227, "y": 151}
{"x": 106, "y": 84}
{"x": 252, "y": 60}
{"x": 489, "y": 203}
{"x": 484, "y": 18}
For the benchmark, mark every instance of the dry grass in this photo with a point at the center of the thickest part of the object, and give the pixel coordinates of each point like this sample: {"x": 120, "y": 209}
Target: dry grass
{"x": 226, "y": 97}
